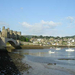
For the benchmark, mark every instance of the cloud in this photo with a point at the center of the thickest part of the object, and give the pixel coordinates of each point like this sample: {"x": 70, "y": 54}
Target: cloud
{"x": 25, "y": 24}
{"x": 39, "y": 28}
{"x": 71, "y": 19}
{"x": 21, "y": 8}
{"x": 50, "y": 24}
{"x": 3, "y": 23}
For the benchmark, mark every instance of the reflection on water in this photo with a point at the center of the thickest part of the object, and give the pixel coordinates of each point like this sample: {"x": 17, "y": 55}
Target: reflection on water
{"x": 52, "y": 53}
{"x": 49, "y": 56}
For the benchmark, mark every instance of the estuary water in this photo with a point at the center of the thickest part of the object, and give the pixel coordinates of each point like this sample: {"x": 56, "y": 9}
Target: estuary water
{"x": 49, "y": 61}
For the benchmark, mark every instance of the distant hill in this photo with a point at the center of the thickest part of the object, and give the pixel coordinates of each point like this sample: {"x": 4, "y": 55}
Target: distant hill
{"x": 40, "y": 36}
{"x": 28, "y": 36}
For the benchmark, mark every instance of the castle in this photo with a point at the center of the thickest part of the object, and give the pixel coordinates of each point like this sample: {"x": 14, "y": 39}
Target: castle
{"x": 7, "y": 33}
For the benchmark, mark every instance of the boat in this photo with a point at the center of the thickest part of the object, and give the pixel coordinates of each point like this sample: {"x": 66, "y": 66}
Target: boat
{"x": 50, "y": 52}
{"x": 70, "y": 50}
{"x": 58, "y": 48}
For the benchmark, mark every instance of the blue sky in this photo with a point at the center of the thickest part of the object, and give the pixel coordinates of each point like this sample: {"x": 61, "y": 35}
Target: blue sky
{"x": 39, "y": 17}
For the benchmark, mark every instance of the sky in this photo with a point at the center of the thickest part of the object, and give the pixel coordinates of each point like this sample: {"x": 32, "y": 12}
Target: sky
{"x": 39, "y": 17}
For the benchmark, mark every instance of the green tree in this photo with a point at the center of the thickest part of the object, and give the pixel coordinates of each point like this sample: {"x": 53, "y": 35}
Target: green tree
{"x": 22, "y": 38}
{"x": 27, "y": 40}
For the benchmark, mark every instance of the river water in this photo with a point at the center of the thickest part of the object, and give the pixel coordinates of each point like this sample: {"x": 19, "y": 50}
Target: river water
{"x": 65, "y": 61}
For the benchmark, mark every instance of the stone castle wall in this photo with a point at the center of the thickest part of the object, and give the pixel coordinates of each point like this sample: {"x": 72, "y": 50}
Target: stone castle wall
{"x": 9, "y": 33}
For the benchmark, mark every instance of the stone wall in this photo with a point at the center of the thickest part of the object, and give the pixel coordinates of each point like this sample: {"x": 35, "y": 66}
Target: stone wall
{"x": 10, "y": 33}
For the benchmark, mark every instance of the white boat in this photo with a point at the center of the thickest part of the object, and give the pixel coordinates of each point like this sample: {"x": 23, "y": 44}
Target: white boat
{"x": 58, "y": 48}
{"x": 50, "y": 52}
{"x": 70, "y": 50}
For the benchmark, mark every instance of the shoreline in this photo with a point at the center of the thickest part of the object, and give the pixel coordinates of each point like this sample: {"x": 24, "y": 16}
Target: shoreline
{"x": 11, "y": 64}
{"x": 45, "y": 69}
{"x": 17, "y": 59}
{"x": 31, "y": 67}
{"x": 7, "y": 67}
{"x": 38, "y": 47}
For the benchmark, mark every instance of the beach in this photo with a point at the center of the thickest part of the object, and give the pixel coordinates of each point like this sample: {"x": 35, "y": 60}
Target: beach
{"x": 45, "y": 69}
{"x": 43, "y": 63}
{"x": 36, "y": 62}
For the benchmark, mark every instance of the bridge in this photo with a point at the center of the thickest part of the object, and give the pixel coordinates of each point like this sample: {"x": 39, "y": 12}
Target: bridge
{"x": 7, "y": 35}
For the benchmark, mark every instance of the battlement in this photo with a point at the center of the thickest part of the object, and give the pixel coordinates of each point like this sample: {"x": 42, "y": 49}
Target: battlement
{"x": 9, "y": 33}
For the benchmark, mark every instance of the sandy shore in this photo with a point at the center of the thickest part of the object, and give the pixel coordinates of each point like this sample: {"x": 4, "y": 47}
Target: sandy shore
{"x": 17, "y": 59}
{"x": 45, "y": 69}
{"x": 27, "y": 67}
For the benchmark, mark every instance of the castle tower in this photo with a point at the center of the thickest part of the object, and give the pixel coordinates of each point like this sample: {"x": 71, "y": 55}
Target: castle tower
{"x": 8, "y": 29}
{"x": 15, "y": 34}
{"x": 18, "y": 34}
{"x": 11, "y": 33}
{"x": 3, "y": 28}
{"x": 4, "y": 33}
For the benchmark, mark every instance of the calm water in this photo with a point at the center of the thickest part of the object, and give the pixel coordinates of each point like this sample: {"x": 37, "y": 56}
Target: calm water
{"x": 44, "y": 56}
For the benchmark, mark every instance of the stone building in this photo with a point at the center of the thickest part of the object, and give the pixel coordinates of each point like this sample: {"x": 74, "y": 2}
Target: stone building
{"x": 10, "y": 33}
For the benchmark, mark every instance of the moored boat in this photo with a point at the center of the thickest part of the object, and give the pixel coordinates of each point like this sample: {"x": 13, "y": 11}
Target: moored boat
{"x": 70, "y": 50}
{"x": 50, "y": 52}
{"x": 58, "y": 48}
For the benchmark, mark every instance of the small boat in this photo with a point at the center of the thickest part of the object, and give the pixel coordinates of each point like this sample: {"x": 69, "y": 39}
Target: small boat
{"x": 70, "y": 50}
{"x": 58, "y": 48}
{"x": 50, "y": 52}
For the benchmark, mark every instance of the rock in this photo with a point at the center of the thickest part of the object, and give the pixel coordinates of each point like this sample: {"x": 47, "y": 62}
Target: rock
{"x": 27, "y": 71}
{"x": 50, "y": 64}
{"x": 54, "y": 63}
